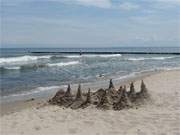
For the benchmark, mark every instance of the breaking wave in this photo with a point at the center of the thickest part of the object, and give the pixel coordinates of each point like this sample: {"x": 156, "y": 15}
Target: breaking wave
{"x": 36, "y": 66}
{"x": 93, "y": 55}
{"x": 22, "y": 59}
{"x": 34, "y": 91}
{"x": 152, "y": 58}
{"x": 10, "y": 68}
{"x": 63, "y": 64}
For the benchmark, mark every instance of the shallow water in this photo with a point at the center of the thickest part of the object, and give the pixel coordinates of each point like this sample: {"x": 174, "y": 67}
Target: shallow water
{"x": 23, "y": 72}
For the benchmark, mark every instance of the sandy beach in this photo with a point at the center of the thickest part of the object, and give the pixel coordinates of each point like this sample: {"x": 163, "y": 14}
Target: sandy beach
{"x": 159, "y": 117}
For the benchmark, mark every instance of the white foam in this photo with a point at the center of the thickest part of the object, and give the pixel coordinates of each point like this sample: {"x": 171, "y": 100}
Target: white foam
{"x": 22, "y": 59}
{"x": 34, "y": 91}
{"x": 151, "y": 58}
{"x": 73, "y": 56}
{"x": 136, "y": 73}
{"x": 110, "y": 55}
{"x": 167, "y": 68}
{"x": 46, "y": 65}
{"x": 63, "y": 63}
{"x": 94, "y": 55}
{"x": 162, "y": 58}
{"x": 12, "y": 68}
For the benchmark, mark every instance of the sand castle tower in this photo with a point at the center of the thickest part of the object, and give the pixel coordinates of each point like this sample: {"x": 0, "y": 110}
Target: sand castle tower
{"x": 109, "y": 97}
{"x": 132, "y": 89}
{"x": 57, "y": 98}
{"x": 124, "y": 101}
{"x": 112, "y": 93}
{"x": 132, "y": 93}
{"x": 120, "y": 88}
{"x": 125, "y": 90}
{"x": 143, "y": 91}
{"x": 67, "y": 99}
{"x": 78, "y": 102}
{"x": 142, "y": 96}
{"x": 63, "y": 98}
{"x": 68, "y": 91}
{"x": 105, "y": 102}
{"x": 96, "y": 96}
{"x": 124, "y": 96}
{"x": 79, "y": 93}
{"x": 88, "y": 98}
{"x": 111, "y": 89}
{"x": 143, "y": 87}
{"x": 111, "y": 85}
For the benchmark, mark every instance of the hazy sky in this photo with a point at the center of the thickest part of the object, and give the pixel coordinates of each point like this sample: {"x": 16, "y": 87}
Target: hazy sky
{"x": 90, "y": 23}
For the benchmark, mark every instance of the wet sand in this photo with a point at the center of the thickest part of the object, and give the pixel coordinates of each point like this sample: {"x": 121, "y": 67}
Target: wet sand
{"x": 160, "y": 117}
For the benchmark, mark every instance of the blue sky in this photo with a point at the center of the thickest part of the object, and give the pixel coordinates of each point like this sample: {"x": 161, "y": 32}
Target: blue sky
{"x": 90, "y": 23}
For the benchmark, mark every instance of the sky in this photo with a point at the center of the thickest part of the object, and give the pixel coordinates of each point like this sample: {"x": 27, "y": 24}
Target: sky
{"x": 89, "y": 23}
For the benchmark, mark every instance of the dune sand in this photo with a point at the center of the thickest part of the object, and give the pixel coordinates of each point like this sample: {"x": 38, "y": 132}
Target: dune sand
{"x": 161, "y": 117}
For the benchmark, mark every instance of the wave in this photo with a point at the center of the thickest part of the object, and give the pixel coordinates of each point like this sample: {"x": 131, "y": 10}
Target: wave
{"x": 10, "y": 68}
{"x": 110, "y": 55}
{"x": 35, "y": 91}
{"x": 23, "y": 67}
{"x": 146, "y": 72}
{"x": 73, "y": 56}
{"x": 58, "y": 57}
{"x": 22, "y": 59}
{"x": 93, "y": 55}
{"x": 53, "y": 89}
{"x": 63, "y": 64}
{"x": 151, "y": 58}
{"x": 167, "y": 68}
{"x": 36, "y": 66}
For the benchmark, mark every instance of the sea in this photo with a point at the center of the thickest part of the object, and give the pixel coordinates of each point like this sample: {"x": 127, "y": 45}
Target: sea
{"x": 24, "y": 73}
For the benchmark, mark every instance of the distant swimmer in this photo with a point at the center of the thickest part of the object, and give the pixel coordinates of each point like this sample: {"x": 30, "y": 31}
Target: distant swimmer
{"x": 80, "y": 53}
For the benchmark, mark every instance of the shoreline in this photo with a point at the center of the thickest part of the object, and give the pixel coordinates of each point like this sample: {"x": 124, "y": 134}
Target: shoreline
{"x": 29, "y": 102}
{"x": 9, "y": 107}
{"x": 94, "y": 85}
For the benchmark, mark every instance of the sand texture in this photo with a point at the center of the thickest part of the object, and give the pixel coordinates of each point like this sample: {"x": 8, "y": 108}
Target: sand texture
{"x": 159, "y": 117}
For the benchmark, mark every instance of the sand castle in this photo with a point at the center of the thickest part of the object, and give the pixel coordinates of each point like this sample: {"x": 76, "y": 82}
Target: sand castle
{"x": 106, "y": 99}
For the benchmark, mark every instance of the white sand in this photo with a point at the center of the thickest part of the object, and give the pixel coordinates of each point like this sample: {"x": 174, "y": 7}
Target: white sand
{"x": 162, "y": 117}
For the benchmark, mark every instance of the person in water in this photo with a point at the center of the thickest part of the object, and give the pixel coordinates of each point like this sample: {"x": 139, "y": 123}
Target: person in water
{"x": 80, "y": 53}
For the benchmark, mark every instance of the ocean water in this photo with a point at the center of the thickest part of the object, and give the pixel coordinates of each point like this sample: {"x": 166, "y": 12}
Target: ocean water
{"x": 24, "y": 73}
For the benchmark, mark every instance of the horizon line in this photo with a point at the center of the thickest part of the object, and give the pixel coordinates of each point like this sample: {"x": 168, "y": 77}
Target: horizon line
{"x": 91, "y": 47}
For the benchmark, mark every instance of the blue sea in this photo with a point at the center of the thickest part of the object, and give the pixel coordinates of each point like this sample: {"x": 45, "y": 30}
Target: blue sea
{"x": 23, "y": 73}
